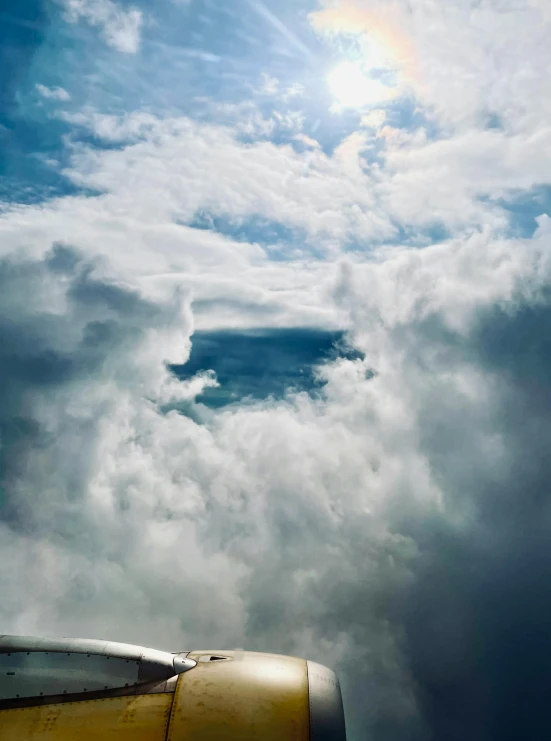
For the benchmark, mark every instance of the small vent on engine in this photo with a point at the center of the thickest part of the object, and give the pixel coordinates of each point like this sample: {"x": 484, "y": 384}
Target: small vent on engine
{"x": 213, "y": 657}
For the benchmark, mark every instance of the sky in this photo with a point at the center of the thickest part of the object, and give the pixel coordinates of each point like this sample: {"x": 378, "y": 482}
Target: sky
{"x": 275, "y": 342}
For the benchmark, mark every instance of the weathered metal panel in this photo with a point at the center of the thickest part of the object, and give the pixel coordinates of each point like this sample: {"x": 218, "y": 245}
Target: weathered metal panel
{"x": 140, "y": 718}
{"x": 260, "y": 697}
{"x": 38, "y": 673}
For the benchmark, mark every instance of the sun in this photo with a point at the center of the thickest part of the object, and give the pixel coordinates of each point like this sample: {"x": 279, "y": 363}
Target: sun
{"x": 353, "y": 89}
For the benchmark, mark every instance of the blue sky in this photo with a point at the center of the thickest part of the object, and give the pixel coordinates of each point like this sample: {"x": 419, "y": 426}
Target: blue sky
{"x": 274, "y": 297}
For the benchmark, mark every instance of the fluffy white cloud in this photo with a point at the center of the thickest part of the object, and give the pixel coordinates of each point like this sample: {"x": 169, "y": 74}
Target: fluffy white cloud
{"x": 478, "y": 74}
{"x": 447, "y": 178}
{"x": 169, "y": 170}
{"x": 140, "y": 220}
{"x": 332, "y": 502}
{"x": 199, "y": 166}
{"x": 231, "y": 283}
{"x": 465, "y": 60}
{"x": 119, "y": 27}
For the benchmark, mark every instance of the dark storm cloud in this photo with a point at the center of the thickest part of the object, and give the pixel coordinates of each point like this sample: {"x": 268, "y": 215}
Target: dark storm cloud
{"x": 41, "y": 346}
{"x": 315, "y": 531}
{"x": 62, "y": 329}
{"x": 469, "y": 611}
{"x": 477, "y": 629}
{"x": 444, "y": 606}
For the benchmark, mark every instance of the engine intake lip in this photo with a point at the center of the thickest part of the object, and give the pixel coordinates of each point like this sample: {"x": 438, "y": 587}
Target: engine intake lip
{"x": 325, "y": 704}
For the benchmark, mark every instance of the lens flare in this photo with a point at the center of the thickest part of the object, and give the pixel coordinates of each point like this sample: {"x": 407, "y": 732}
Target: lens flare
{"x": 353, "y": 89}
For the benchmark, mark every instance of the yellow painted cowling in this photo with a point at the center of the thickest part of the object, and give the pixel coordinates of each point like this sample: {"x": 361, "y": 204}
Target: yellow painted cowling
{"x": 79, "y": 690}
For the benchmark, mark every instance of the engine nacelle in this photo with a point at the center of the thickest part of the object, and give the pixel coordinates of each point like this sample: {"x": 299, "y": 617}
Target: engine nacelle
{"x": 59, "y": 689}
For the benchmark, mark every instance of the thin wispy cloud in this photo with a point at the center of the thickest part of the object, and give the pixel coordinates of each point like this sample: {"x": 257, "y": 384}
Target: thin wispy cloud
{"x": 119, "y": 26}
{"x": 57, "y": 93}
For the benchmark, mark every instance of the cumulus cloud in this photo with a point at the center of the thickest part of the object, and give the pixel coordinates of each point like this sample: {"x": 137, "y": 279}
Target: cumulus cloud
{"x": 231, "y": 283}
{"x": 333, "y": 200}
{"x": 119, "y": 27}
{"x": 395, "y": 524}
{"x": 475, "y": 72}
{"x": 80, "y": 358}
{"x": 396, "y": 518}
{"x": 330, "y": 199}
{"x": 321, "y": 195}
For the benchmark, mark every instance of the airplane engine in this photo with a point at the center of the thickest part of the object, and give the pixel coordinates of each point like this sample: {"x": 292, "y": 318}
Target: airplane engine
{"x": 80, "y": 689}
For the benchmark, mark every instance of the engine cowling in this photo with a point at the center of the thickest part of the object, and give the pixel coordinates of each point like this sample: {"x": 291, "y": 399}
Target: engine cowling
{"x": 56, "y": 690}
{"x": 239, "y": 696}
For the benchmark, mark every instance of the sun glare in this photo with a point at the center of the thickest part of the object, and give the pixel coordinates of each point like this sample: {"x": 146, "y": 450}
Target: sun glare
{"x": 353, "y": 89}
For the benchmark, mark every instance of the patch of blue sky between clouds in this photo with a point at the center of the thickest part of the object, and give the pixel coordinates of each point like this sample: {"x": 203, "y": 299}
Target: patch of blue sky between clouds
{"x": 189, "y": 53}
{"x": 262, "y": 364}
{"x": 405, "y": 113}
{"x": 265, "y": 53}
{"x": 405, "y": 237}
{"x": 523, "y": 209}
{"x": 36, "y": 52}
{"x": 279, "y": 242}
